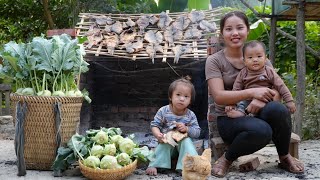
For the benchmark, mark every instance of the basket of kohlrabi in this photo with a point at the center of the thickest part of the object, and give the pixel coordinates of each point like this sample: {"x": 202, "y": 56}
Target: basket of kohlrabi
{"x": 102, "y": 154}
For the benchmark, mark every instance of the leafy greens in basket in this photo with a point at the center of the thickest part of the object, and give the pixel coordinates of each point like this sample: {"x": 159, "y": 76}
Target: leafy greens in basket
{"x": 105, "y": 149}
{"x": 45, "y": 67}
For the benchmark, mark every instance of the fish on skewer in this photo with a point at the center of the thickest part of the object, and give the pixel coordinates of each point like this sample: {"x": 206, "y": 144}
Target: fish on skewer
{"x": 164, "y": 20}
{"x": 193, "y": 33}
{"x": 153, "y": 37}
{"x": 101, "y": 20}
{"x": 142, "y": 23}
{"x": 171, "y": 34}
{"x": 128, "y": 24}
{"x": 152, "y": 49}
{"x": 196, "y": 16}
{"x": 178, "y": 50}
{"x": 127, "y": 36}
{"x": 117, "y": 27}
{"x": 207, "y": 27}
{"x": 134, "y": 46}
{"x": 94, "y": 36}
{"x": 181, "y": 23}
{"x": 111, "y": 40}
{"x": 153, "y": 19}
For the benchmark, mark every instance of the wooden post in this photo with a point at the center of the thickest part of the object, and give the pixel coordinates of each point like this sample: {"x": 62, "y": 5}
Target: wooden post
{"x": 272, "y": 40}
{"x": 301, "y": 67}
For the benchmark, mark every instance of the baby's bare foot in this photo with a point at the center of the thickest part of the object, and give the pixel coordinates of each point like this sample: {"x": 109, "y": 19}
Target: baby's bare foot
{"x": 152, "y": 171}
{"x": 235, "y": 114}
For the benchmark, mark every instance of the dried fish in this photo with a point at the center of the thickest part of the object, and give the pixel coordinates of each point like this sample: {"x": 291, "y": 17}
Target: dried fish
{"x": 101, "y": 20}
{"x": 94, "y": 36}
{"x": 152, "y": 49}
{"x": 134, "y": 47}
{"x": 117, "y": 27}
{"x": 164, "y": 20}
{"x": 128, "y": 24}
{"x": 106, "y": 29}
{"x": 193, "y": 33}
{"x": 171, "y": 34}
{"x": 111, "y": 40}
{"x": 178, "y": 50}
{"x": 153, "y": 19}
{"x": 196, "y": 16}
{"x": 142, "y": 23}
{"x": 182, "y": 22}
{"x": 152, "y": 37}
{"x": 208, "y": 27}
{"x": 127, "y": 36}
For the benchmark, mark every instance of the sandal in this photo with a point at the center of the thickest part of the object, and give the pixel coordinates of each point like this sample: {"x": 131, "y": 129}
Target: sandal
{"x": 221, "y": 167}
{"x": 291, "y": 165}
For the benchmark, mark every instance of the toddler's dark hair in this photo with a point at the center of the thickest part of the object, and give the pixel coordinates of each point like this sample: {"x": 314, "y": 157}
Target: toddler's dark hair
{"x": 186, "y": 81}
{"x": 253, "y": 43}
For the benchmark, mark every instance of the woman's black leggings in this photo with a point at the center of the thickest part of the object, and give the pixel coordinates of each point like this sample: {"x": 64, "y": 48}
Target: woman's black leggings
{"x": 246, "y": 135}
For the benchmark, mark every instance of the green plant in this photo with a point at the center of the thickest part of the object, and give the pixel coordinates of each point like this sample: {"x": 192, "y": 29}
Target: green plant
{"x": 44, "y": 65}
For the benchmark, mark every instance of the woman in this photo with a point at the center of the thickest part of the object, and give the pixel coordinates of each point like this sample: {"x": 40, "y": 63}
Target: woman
{"x": 247, "y": 134}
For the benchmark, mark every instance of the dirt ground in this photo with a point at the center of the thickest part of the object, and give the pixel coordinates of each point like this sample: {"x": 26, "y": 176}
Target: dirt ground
{"x": 309, "y": 152}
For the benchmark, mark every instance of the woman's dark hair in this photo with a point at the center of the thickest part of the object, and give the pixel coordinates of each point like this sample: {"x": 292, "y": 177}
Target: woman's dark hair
{"x": 186, "y": 81}
{"x": 253, "y": 43}
{"x": 239, "y": 14}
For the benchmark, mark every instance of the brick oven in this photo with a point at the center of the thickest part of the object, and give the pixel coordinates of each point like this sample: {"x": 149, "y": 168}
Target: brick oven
{"x": 127, "y": 93}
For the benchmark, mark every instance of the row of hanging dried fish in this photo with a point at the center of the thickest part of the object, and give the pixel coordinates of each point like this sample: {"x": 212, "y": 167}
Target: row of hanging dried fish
{"x": 148, "y": 32}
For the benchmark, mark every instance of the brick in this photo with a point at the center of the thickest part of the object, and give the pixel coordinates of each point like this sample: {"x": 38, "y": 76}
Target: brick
{"x": 211, "y": 118}
{"x": 249, "y": 165}
{"x": 114, "y": 109}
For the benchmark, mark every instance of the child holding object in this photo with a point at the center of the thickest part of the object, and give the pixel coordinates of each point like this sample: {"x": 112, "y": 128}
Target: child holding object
{"x": 256, "y": 74}
{"x": 175, "y": 116}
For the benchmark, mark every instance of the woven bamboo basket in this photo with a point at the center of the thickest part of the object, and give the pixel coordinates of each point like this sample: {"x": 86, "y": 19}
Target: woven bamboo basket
{"x": 108, "y": 174}
{"x": 40, "y": 129}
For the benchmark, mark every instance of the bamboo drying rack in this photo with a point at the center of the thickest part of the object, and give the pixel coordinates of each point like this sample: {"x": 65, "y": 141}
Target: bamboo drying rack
{"x": 199, "y": 46}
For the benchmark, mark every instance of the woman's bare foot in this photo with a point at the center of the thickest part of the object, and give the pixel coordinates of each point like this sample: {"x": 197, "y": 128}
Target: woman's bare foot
{"x": 152, "y": 171}
{"x": 235, "y": 114}
{"x": 291, "y": 164}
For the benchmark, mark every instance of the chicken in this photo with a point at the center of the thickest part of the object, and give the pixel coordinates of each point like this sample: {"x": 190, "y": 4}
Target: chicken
{"x": 197, "y": 167}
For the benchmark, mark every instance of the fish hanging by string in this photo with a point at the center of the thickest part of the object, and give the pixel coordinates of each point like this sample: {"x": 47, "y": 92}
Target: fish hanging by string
{"x": 127, "y": 36}
{"x": 152, "y": 49}
{"x": 164, "y": 20}
{"x": 128, "y": 24}
{"x": 207, "y": 26}
{"x": 171, "y": 34}
{"x": 94, "y": 36}
{"x": 152, "y": 37}
{"x": 181, "y": 23}
{"x": 179, "y": 50}
{"x": 134, "y": 47}
{"x": 193, "y": 33}
{"x": 196, "y": 16}
{"x": 142, "y": 23}
{"x": 117, "y": 27}
{"x": 111, "y": 40}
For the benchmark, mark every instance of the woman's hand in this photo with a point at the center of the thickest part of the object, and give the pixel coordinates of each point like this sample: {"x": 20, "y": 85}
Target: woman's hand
{"x": 262, "y": 94}
{"x": 181, "y": 127}
{"x": 255, "y": 106}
